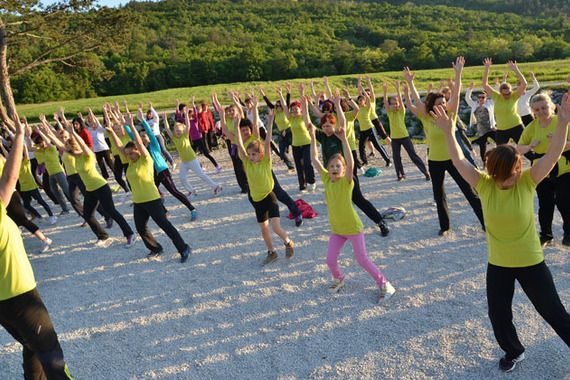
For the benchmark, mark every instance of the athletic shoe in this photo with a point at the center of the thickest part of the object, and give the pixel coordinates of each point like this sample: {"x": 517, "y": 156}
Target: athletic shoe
{"x": 154, "y": 255}
{"x": 443, "y": 233}
{"x": 303, "y": 190}
{"x": 289, "y": 249}
{"x": 218, "y": 190}
{"x": 336, "y": 286}
{"x": 384, "y": 230}
{"x": 193, "y": 215}
{"x": 546, "y": 241}
{"x": 508, "y": 365}
{"x": 566, "y": 240}
{"x": 386, "y": 291}
{"x": 109, "y": 223}
{"x": 361, "y": 171}
{"x": 131, "y": 239}
{"x": 402, "y": 178}
{"x": 52, "y": 220}
{"x": 371, "y": 154}
{"x": 312, "y": 187}
{"x": 173, "y": 166}
{"x": 428, "y": 177}
{"x": 45, "y": 245}
{"x": 185, "y": 254}
{"x": 299, "y": 220}
{"x": 388, "y": 164}
{"x": 64, "y": 212}
{"x": 218, "y": 169}
{"x": 103, "y": 243}
{"x": 271, "y": 257}
{"x": 84, "y": 224}
{"x": 291, "y": 170}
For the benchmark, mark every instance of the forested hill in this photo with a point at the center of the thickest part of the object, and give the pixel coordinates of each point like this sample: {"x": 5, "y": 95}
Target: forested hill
{"x": 181, "y": 43}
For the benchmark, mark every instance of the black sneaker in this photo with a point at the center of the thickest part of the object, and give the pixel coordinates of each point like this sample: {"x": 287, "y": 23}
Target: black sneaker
{"x": 298, "y": 220}
{"x": 546, "y": 241}
{"x": 508, "y": 365}
{"x": 566, "y": 240}
{"x": 271, "y": 257}
{"x": 185, "y": 254}
{"x": 153, "y": 255}
{"x": 388, "y": 164}
{"x": 384, "y": 230}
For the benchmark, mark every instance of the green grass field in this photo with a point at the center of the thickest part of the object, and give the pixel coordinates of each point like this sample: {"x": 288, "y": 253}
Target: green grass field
{"x": 546, "y": 72}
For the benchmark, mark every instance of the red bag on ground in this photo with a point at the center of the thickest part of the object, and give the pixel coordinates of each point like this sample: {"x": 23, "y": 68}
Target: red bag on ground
{"x": 306, "y": 210}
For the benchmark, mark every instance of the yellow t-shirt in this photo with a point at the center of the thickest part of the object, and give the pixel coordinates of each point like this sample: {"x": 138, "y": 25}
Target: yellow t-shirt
{"x": 231, "y": 129}
{"x": 50, "y": 157}
{"x": 85, "y": 165}
{"x": 184, "y": 147}
{"x": 141, "y": 179}
{"x": 299, "y": 131}
{"x": 116, "y": 152}
{"x": 342, "y": 216}
{"x": 259, "y": 177}
{"x": 16, "y": 274}
{"x": 68, "y": 160}
{"x": 534, "y": 131}
{"x": 27, "y": 181}
{"x": 281, "y": 121}
{"x": 365, "y": 118}
{"x": 509, "y": 219}
{"x": 506, "y": 115}
{"x": 350, "y": 135}
{"x": 373, "y": 114}
{"x": 397, "y": 120}
{"x": 436, "y": 140}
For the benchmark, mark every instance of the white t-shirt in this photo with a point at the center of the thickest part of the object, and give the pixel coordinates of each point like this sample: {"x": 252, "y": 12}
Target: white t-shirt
{"x": 98, "y": 136}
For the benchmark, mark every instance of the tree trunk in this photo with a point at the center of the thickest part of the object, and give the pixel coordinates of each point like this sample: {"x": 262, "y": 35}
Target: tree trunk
{"x": 5, "y": 89}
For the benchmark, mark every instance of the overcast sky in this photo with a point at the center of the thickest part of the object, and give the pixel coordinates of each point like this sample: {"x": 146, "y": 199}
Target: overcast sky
{"x": 109, "y": 3}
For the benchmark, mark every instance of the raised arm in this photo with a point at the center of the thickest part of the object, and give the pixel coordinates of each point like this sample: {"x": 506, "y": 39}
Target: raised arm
{"x": 385, "y": 93}
{"x": 399, "y": 95}
{"x": 305, "y": 111}
{"x": 522, "y": 80}
{"x": 285, "y": 106}
{"x": 349, "y": 172}
{"x": 45, "y": 128}
{"x": 445, "y": 122}
{"x": 166, "y": 125}
{"x": 239, "y": 141}
{"x": 355, "y": 108}
{"x": 11, "y": 171}
{"x": 557, "y": 143}
{"x": 269, "y": 135}
{"x": 535, "y": 85}
{"x": 267, "y": 101}
{"x": 341, "y": 119}
{"x": 314, "y": 153}
{"x": 327, "y": 87}
{"x": 413, "y": 109}
{"x": 136, "y": 137}
{"x": 255, "y": 116}
{"x": 468, "y": 99}
{"x": 456, "y": 87}
{"x": 371, "y": 88}
{"x": 409, "y": 78}
{"x": 487, "y": 62}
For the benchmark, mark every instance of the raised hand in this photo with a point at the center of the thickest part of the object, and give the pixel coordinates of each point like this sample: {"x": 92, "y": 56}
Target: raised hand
{"x": 459, "y": 64}
{"x": 408, "y": 74}
{"x": 442, "y": 119}
{"x": 563, "y": 110}
{"x": 487, "y": 62}
{"x": 512, "y": 65}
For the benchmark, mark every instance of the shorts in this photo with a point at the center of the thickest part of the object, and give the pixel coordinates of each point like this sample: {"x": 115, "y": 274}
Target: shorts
{"x": 266, "y": 208}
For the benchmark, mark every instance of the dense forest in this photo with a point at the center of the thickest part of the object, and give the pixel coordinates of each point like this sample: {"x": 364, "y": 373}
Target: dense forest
{"x": 181, "y": 43}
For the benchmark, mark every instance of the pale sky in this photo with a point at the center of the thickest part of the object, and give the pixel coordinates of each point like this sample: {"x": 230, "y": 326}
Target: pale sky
{"x": 108, "y": 3}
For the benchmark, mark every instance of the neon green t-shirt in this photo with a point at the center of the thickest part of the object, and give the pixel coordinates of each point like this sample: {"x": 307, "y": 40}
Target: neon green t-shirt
{"x": 436, "y": 140}
{"x": 299, "y": 131}
{"x": 397, "y": 120}
{"x": 506, "y": 115}
{"x": 50, "y": 157}
{"x": 373, "y": 114}
{"x": 116, "y": 152}
{"x": 16, "y": 274}
{"x": 141, "y": 179}
{"x": 26, "y": 178}
{"x": 68, "y": 160}
{"x": 85, "y": 166}
{"x": 342, "y": 216}
{"x": 350, "y": 135}
{"x": 509, "y": 219}
{"x": 184, "y": 147}
{"x": 281, "y": 121}
{"x": 259, "y": 177}
{"x": 534, "y": 131}
{"x": 365, "y": 118}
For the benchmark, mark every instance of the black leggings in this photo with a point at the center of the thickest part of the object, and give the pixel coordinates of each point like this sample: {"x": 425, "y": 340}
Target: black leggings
{"x": 284, "y": 197}
{"x": 104, "y": 197}
{"x": 16, "y": 212}
{"x": 238, "y": 167}
{"x": 284, "y": 143}
{"x": 118, "y": 170}
{"x": 482, "y": 142}
{"x": 77, "y": 186}
{"x": 104, "y": 157}
{"x": 397, "y": 145}
{"x": 503, "y": 137}
{"x": 536, "y": 281}
{"x": 437, "y": 171}
{"x": 276, "y": 149}
{"x": 155, "y": 210}
{"x": 27, "y": 197}
{"x": 165, "y": 178}
{"x": 303, "y": 165}
{"x": 369, "y": 134}
{"x": 362, "y": 203}
{"x": 202, "y": 147}
{"x": 553, "y": 192}
{"x": 26, "y": 318}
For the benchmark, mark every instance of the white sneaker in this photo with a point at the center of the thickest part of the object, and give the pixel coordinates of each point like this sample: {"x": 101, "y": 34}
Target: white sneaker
{"x": 103, "y": 243}
{"x": 45, "y": 245}
{"x": 336, "y": 286}
{"x": 386, "y": 291}
{"x": 174, "y": 167}
{"x": 312, "y": 187}
{"x": 218, "y": 169}
{"x": 131, "y": 239}
{"x": 52, "y": 220}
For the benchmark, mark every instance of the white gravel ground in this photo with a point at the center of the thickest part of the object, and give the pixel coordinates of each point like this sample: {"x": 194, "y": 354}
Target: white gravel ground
{"x": 222, "y": 316}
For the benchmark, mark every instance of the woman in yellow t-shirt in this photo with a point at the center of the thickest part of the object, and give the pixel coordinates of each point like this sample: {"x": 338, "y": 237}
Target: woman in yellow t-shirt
{"x": 396, "y": 112}
{"x": 554, "y": 190}
{"x": 514, "y": 250}
{"x": 439, "y": 161}
{"x": 97, "y": 192}
{"x": 146, "y": 198}
{"x": 345, "y": 223}
{"x": 368, "y": 119}
{"x": 257, "y": 163}
{"x": 509, "y": 123}
{"x": 22, "y": 311}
